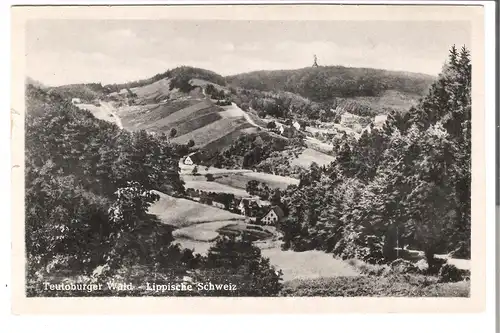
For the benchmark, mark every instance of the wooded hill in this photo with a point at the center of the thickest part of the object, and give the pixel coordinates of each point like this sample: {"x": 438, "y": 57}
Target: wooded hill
{"x": 327, "y": 82}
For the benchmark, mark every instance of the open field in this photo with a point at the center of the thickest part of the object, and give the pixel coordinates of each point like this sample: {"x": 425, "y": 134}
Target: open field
{"x": 156, "y": 91}
{"x": 200, "y": 247}
{"x": 103, "y": 112}
{"x": 310, "y": 155}
{"x": 315, "y": 144}
{"x": 197, "y": 109}
{"x": 389, "y": 100}
{"x": 228, "y": 139}
{"x": 273, "y": 181}
{"x": 232, "y": 111}
{"x": 208, "y": 232}
{"x": 254, "y": 232}
{"x": 186, "y": 125}
{"x": 240, "y": 180}
{"x": 212, "y": 131}
{"x": 203, "y": 232}
{"x": 182, "y": 212}
{"x": 401, "y": 285}
{"x": 204, "y": 185}
{"x": 308, "y": 264}
{"x": 142, "y": 116}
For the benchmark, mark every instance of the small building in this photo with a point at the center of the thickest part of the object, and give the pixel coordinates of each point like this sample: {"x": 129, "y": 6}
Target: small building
{"x": 218, "y": 204}
{"x": 251, "y": 206}
{"x": 296, "y": 125}
{"x": 280, "y": 128}
{"x": 192, "y": 159}
{"x": 273, "y": 216}
{"x": 75, "y": 101}
{"x": 242, "y": 207}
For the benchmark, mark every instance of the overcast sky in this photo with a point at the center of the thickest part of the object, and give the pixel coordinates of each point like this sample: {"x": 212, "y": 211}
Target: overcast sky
{"x": 73, "y": 51}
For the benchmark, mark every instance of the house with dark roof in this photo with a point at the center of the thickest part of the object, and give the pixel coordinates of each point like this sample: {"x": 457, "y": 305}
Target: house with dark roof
{"x": 274, "y": 216}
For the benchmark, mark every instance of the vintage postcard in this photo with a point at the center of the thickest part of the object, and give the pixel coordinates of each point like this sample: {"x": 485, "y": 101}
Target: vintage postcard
{"x": 248, "y": 159}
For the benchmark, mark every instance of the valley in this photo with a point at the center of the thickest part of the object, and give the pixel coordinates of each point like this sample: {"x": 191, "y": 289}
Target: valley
{"x": 285, "y": 167}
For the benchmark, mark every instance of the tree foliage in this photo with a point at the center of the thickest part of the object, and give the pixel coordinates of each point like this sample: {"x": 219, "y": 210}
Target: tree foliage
{"x": 407, "y": 183}
{"x": 327, "y": 82}
{"x": 89, "y": 187}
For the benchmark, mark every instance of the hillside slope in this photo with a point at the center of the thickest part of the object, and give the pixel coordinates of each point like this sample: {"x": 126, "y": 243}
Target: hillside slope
{"x": 326, "y": 82}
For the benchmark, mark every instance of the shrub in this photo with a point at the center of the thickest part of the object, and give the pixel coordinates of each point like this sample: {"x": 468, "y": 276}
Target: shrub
{"x": 462, "y": 252}
{"x": 451, "y": 273}
{"x": 422, "y": 265}
{"x": 435, "y": 266}
{"x": 369, "y": 269}
{"x": 210, "y": 177}
{"x": 404, "y": 266}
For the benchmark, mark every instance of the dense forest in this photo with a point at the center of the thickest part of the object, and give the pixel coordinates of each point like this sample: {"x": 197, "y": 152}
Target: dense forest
{"x": 326, "y": 82}
{"x": 247, "y": 151}
{"x": 408, "y": 183}
{"x": 88, "y": 188}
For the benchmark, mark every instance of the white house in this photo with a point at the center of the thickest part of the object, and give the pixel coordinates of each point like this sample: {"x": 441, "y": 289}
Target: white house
{"x": 274, "y": 216}
{"x": 188, "y": 161}
{"x": 296, "y": 125}
{"x": 241, "y": 207}
{"x": 280, "y": 128}
{"x": 218, "y": 204}
{"x": 75, "y": 101}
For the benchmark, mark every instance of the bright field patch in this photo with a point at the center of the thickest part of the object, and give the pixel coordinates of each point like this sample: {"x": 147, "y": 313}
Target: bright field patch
{"x": 144, "y": 116}
{"x": 212, "y": 131}
{"x": 240, "y": 180}
{"x": 228, "y": 139}
{"x": 99, "y": 112}
{"x": 308, "y": 264}
{"x": 155, "y": 91}
{"x": 273, "y": 181}
{"x": 182, "y": 212}
{"x": 188, "y": 125}
{"x": 194, "y": 110}
{"x": 216, "y": 187}
{"x": 309, "y": 156}
{"x": 204, "y": 232}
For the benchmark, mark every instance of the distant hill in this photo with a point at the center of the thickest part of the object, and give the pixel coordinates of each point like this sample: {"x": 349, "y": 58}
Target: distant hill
{"x": 177, "y": 75}
{"x": 327, "y": 82}
{"x": 87, "y": 92}
{"x": 34, "y": 83}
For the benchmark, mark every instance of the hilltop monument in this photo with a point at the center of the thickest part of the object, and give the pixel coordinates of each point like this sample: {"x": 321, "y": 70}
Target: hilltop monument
{"x": 315, "y": 61}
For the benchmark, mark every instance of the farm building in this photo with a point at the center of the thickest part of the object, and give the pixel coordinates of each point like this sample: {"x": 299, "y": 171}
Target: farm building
{"x": 249, "y": 206}
{"x": 218, "y": 205}
{"x": 296, "y": 125}
{"x": 75, "y": 101}
{"x": 192, "y": 159}
{"x": 280, "y": 128}
{"x": 274, "y": 216}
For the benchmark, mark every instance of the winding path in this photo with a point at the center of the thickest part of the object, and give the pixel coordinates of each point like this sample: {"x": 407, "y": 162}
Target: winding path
{"x": 109, "y": 108}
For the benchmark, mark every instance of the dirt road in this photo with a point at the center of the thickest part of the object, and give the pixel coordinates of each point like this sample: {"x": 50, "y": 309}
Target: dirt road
{"x": 110, "y": 109}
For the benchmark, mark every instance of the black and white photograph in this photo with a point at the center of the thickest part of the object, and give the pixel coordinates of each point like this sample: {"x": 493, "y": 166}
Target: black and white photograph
{"x": 245, "y": 158}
